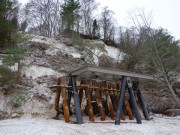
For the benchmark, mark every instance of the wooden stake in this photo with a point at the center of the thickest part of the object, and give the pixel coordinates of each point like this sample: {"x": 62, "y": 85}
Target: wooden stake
{"x": 57, "y": 98}
{"x": 99, "y": 103}
{"x": 109, "y": 103}
{"x": 128, "y": 108}
{"x": 65, "y": 101}
{"x": 116, "y": 96}
{"x": 89, "y": 104}
{"x": 80, "y": 96}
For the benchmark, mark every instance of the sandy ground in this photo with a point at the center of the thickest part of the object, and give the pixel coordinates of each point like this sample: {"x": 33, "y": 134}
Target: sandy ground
{"x": 159, "y": 125}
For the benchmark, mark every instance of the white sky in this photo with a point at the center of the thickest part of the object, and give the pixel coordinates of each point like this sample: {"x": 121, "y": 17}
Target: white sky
{"x": 165, "y": 12}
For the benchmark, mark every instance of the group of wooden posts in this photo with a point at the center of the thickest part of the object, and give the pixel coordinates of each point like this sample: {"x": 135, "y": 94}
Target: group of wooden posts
{"x": 122, "y": 100}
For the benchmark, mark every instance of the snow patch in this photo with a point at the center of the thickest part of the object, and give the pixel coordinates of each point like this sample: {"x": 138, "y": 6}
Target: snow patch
{"x": 97, "y": 53}
{"x": 56, "y": 46}
{"x": 98, "y": 42}
{"x": 114, "y": 52}
{"x": 13, "y": 68}
{"x": 39, "y": 126}
{"x": 37, "y": 71}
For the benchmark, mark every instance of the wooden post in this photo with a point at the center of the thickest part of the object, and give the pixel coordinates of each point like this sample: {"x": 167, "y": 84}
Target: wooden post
{"x": 65, "y": 102}
{"x": 89, "y": 103}
{"x": 57, "y": 98}
{"x": 109, "y": 102}
{"x": 116, "y": 96}
{"x": 80, "y": 99}
{"x": 99, "y": 101}
{"x": 70, "y": 91}
{"x": 128, "y": 108}
{"x": 80, "y": 96}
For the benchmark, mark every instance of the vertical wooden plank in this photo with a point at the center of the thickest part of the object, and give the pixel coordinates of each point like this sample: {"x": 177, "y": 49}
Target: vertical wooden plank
{"x": 57, "y": 98}
{"x": 70, "y": 91}
{"x": 80, "y": 96}
{"x": 89, "y": 104}
{"x": 65, "y": 101}
{"x": 99, "y": 102}
{"x": 128, "y": 108}
{"x": 116, "y": 95}
{"x": 65, "y": 105}
{"x": 109, "y": 102}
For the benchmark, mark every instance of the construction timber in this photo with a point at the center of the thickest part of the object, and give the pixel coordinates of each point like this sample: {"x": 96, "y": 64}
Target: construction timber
{"x": 115, "y": 86}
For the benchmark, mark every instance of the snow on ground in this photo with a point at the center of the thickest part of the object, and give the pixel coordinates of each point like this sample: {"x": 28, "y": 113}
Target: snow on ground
{"x": 97, "y": 53}
{"x": 55, "y": 46}
{"x": 114, "y": 53}
{"x": 38, "y": 126}
{"x": 13, "y": 68}
{"x": 109, "y": 51}
{"x": 37, "y": 71}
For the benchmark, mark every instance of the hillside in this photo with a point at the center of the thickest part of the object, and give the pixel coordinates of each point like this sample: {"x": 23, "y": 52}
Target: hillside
{"x": 46, "y": 60}
{"x": 31, "y": 101}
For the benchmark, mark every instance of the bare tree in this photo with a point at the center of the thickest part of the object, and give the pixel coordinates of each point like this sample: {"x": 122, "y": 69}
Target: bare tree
{"x": 107, "y": 23}
{"x": 130, "y": 43}
{"x": 140, "y": 20}
{"x": 44, "y": 15}
{"x": 88, "y": 7}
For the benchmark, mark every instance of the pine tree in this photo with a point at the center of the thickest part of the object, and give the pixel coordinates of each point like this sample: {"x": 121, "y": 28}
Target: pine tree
{"x": 70, "y": 13}
{"x": 164, "y": 58}
{"x": 8, "y": 20}
{"x": 95, "y": 27}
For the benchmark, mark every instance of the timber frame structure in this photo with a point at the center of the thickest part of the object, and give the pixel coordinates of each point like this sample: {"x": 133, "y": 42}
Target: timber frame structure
{"x": 102, "y": 80}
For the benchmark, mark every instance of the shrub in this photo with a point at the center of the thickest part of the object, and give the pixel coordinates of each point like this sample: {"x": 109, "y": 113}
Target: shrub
{"x": 18, "y": 100}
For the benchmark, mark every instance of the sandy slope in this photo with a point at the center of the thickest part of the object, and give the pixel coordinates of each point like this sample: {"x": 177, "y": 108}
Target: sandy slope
{"x": 38, "y": 126}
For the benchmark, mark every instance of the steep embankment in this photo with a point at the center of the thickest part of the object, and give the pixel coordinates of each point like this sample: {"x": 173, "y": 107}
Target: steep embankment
{"x": 48, "y": 59}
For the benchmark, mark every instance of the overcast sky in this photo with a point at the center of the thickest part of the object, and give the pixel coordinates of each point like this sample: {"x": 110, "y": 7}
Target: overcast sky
{"x": 166, "y": 13}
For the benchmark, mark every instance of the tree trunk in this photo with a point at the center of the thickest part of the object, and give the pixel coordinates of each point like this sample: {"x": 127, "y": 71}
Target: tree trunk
{"x": 163, "y": 72}
{"x": 172, "y": 91}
